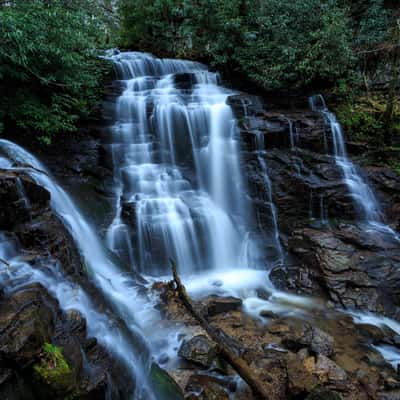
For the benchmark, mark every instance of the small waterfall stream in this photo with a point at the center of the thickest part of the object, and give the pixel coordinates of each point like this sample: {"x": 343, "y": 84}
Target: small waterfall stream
{"x": 362, "y": 194}
{"x": 365, "y": 201}
{"x": 116, "y": 286}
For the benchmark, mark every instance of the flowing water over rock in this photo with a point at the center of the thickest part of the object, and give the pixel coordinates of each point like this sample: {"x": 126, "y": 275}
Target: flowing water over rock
{"x": 364, "y": 198}
{"x": 176, "y": 161}
{"x": 117, "y": 287}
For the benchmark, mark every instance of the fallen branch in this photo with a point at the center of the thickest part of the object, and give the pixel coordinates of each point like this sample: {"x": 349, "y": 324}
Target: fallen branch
{"x": 236, "y": 362}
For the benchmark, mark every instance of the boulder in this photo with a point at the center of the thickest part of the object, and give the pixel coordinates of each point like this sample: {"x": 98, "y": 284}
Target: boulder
{"x": 303, "y": 335}
{"x": 353, "y": 268}
{"x": 217, "y": 305}
{"x": 206, "y": 387}
{"x": 300, "y": 378}
{"x": 199, "y": 350}
{"x": 327, "y": 370}
{"x": 27, "y": 318}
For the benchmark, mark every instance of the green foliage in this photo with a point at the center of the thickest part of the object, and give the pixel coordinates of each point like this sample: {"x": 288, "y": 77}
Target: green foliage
{"x": 275, "y": 43}
{"x": 373, "y": 26}
{"x": 363, "y": 118}
{"x": 297, "y": 43}
{"x": 52, "y": 368}
{"x": 49, "y": 69}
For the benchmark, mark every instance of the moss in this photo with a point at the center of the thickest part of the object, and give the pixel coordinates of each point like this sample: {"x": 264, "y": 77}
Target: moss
{"x": 164, "y": 386}
{"x": 52, "y": 368}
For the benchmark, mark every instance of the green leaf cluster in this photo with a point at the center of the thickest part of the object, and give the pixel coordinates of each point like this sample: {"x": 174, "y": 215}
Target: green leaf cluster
{"x": 276, "y": 43}
{"x": 49, "y": 66}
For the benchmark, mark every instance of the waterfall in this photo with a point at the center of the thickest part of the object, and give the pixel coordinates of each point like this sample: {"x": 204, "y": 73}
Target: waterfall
{"x": 364, "y": 198}
{"x": 116, "y": 286}
{"x": 15, "y": 273}
{"x": 175, "y": 153}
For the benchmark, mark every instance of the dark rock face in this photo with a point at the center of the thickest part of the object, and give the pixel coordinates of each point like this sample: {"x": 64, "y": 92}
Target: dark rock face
{"x": 20, "y": 197}
{"x": 328, "y": 253}
{"x": 30, "y": 317}
{"x": 27, "y": 321}
{"x": 353, "y": 268}
{"x": 387, "y": 182}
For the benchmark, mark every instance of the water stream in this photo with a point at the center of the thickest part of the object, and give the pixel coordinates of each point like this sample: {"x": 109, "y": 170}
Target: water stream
{"x": 175, "y": 152}
{"x": 115, "y": 285}
{"x": 366, "y": 204}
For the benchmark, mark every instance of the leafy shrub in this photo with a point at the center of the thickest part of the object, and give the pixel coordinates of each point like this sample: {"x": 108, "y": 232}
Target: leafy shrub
{"x": 363, "y": 118}
{"x": 275, "y": 43}
{"x": 49, "y": 69}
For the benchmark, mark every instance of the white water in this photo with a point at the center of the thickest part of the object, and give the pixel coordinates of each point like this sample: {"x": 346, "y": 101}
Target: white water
{"x": 176, "y": 163}
{"x": 70, "y": 296}
{"x": 115, "y": 285}
{"x": 364, "y": 198}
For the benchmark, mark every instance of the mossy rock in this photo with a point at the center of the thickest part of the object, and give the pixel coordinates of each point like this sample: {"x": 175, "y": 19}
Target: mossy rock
{"x": 53, "y": 370}
{"x": 164, "y": 386}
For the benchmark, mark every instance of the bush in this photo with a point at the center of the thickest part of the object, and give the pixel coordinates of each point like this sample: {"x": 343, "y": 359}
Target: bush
{"x": 276, "y": 43}
{"x": 363, "y": 118}
{"x": 49, "y": 69}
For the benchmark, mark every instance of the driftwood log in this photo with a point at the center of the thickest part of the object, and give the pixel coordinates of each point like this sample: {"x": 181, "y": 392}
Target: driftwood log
{"x": 236, "y": 362}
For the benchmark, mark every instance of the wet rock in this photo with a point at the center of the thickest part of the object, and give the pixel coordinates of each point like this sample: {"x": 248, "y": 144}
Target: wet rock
{"x": 327, "y": 370}
{"x": 20, "y": 198}
{"x": 279, "y": 329}
{"x": 76, "y": 322}
{"x": 300, "y": 378}
{"x": 217, "y": 305}
{"x": 199, "y": 350}
{"x": 27, "y": 321}
{"x": 354, "y": 272}
{"x": 206, "y": 387}
{"x": 387, "y": 184}
{"x": 303, "y": 335}
{"x": 321, "y": 342}
{"x": 267, "y": 314}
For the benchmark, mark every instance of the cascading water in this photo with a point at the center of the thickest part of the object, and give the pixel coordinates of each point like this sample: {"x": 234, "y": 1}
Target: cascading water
{"x": 362, "y": 194}
{"x": 15, "y": 273}
{"x": 117, "y": 287}
{"x": 171, "y": 119}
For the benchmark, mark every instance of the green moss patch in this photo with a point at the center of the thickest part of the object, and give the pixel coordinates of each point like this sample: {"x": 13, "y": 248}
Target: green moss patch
{"x": 52, "y": 368}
